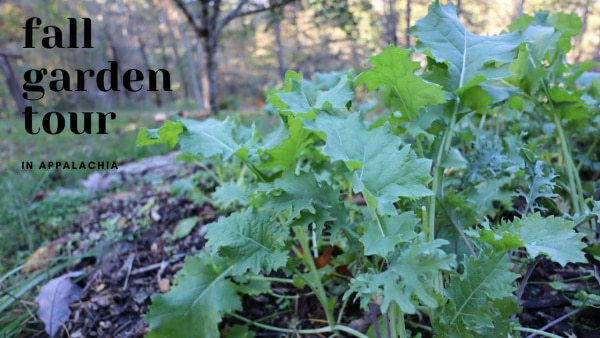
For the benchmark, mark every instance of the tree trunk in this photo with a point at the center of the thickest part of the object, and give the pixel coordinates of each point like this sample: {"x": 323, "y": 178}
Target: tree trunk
{"x": 597, "y": 53}
{"x": 165, "y": 59}
{"x": 579, "y": 38}
{"x": 519, "y": 12}
{"x": 147, "y": 65}
{"x": 407, "y": 42}
{"x": 204, "y": 78}
{"x": 209, "y": 38}
{"x": 192, "y": 64}
{"x": 278, "y": 46}
{"x": 210, "y": 72}
{"x": 12, "y": 82}
{"x": 281, "y": 65}
{"x": 392, "y": 23}
{"x": 208, "y": 26}
{"x": 115, "y": 55}
{"x": 210, "y": 44}
{"x": 179, "y": 62}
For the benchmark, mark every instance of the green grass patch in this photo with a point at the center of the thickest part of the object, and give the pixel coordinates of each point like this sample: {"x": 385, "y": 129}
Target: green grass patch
{"x": 28, "y": 222}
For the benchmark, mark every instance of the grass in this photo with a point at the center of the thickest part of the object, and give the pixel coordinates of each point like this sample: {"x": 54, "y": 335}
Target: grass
{"x": 37, "y": 205}
{"x": 118, "y": 145}
{"x": 27, "y": 221}
{"x": 34, "y": 211}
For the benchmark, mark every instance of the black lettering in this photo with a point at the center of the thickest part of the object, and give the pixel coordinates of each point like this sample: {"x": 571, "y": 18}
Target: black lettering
{"x": 29, "y": 120}
{"x": 47, "y": 123}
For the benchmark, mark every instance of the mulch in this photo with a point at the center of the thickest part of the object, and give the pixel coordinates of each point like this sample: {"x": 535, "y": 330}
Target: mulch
{"x": 135, "y": 259}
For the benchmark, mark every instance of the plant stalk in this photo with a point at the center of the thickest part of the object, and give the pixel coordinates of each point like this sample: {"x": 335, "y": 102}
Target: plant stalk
{"x": 307, "y": 331}
{"x": 539, "y": 332}
{"x": 575, "y": 188}
{"x": 316, "y": 284}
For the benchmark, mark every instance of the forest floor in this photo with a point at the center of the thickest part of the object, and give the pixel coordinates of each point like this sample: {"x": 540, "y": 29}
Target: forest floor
{"x": 129, "y": 238}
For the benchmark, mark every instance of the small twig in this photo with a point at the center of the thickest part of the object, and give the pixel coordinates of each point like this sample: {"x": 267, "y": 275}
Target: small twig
{"x": 155, "y": 265}
{"x": 525, "y": 279}
{"x": 556, "y": 321}
{"x": 66, "y": 330}
{"x": 129, "y": 264}
{"x": 146, "y": 268}
{"x": 163, "y": 266}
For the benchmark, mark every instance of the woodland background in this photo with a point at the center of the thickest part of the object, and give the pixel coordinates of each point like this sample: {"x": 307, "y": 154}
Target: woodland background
{"x": 231, "y": 52}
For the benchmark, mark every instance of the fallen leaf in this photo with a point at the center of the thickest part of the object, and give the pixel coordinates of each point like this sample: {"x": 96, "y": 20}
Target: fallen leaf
{"x": 325, "y": 258}
{"x": 54, "y": 299}
{"x": 184, "y": 227}
{"x": 164, "y": 285}
{"x": 96, "y": 182}
{"x": 39, "y": 259}
{"x": 42, "y": 256}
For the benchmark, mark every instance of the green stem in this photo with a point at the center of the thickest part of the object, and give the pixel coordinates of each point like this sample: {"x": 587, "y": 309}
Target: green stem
{"x": 482, "y": 122}
{"x": 276, "y": 295}
{"x": 261, "y": 177}
{"x": 575, "y": 189}
{"x": 438, "y": 172}
{"x": 271, "y": 279}
{"x": 210, "y": 172}
{"x": 373, "y": 212}
{"x": 240, "y": 181}
{"x": 350, "y": 330}
{"x": 219, "y": 173}
{"x": 400, "y": 324}
{"x": 420, "y": 326}
{"x": 313, "y": 236}
{"x": 588, "y": 153}
{"x": 342, "y": 309}
{"x": 307, "y": 331}
{"x": 391, "y": 317}
{"x": 316, "y": 284}
{"x": 540, "y": 332}
{"x": 419, "y": 142}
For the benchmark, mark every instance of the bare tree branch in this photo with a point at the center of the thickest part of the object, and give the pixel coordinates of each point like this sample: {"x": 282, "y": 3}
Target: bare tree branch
{"x": 236, "y": 12}
{"x": 230, "y": 16}
{"x": 214, "y": 18}
{"x": 262, "y": 9}
{"x": 181, "y": 4}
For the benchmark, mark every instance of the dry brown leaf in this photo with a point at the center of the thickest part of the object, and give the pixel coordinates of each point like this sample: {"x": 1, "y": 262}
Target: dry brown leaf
{"x": 164, "y": 285}
{"x": 42, "y": 256}
{"x": 54, "y": 299}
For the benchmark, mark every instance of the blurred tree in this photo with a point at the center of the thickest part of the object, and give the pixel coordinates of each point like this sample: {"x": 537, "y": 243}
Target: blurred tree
{"x": 11, "y": 79}
{"x": 519, "y": 11}
{"x": 275, "y": 22}
{"x": 308, "y": 36}
{"x": 407, "y": 31}
{"x": 191, "y": 64}
{"x": 584, "y": 18}
{"x": 391, "y": 23}
{"x": 208, "y": 25}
